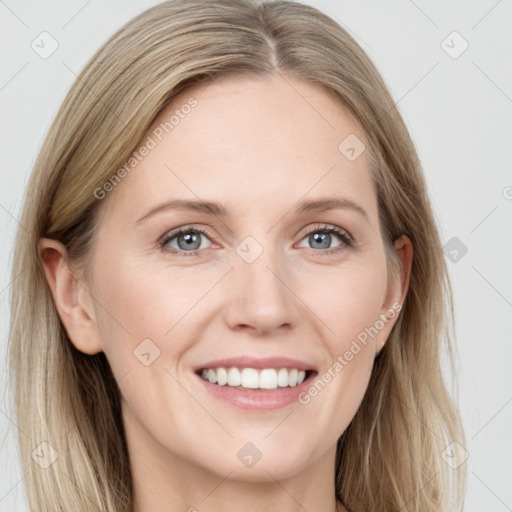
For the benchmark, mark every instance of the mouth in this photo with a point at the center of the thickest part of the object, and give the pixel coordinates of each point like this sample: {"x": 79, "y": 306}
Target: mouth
{"x": 254, "y": 379}
{"x": 256, "y": 384}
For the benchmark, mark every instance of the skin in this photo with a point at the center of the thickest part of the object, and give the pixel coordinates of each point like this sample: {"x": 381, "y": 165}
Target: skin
{"x": 257, "y": 147}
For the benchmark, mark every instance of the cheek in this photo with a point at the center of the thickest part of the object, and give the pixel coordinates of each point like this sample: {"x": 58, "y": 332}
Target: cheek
{"x": 146, "y": 302}
{"x": 349, "y": 308}
{"x": 138, "y": 307}
{"x": 347, "y": 299}
{"x": 135, "y": 303}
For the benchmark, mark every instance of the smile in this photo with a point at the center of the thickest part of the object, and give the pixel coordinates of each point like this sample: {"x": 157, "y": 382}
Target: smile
{"x": 251, "y": 383}
{"x": 252, "y": 378}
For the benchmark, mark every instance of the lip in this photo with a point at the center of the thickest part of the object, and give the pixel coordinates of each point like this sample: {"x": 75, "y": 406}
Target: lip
{"x": 257, "y": 363}
{"x": 257, "y": 399}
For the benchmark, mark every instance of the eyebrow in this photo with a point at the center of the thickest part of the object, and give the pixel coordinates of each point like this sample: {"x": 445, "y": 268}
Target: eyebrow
{"x": 212, "y": 208}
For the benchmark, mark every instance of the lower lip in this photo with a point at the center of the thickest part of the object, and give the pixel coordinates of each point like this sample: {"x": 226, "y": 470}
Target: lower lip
{"x": 258, "y": 399}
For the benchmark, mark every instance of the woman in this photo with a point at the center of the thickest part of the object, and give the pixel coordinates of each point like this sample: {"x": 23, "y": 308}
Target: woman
{"x": 236, "y": 290}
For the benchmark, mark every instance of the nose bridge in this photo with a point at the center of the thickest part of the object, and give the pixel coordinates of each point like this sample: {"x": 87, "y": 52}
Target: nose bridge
{"x": 261, "y": 298}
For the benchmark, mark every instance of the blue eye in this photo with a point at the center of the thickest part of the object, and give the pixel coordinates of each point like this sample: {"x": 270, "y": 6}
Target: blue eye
{"x": 188, "y": 240}
{"x": 323, "y": 237}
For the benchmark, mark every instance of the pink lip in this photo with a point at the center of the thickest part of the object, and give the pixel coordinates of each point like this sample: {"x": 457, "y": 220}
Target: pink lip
{"x": 254, "y": 362}
{"x": 257, "y": 399}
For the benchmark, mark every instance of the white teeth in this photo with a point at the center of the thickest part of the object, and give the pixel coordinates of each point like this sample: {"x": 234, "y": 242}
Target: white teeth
{"x": 282, "y": 377}
{"x": 234, "y": 377}
{"x": 222, "y": 376}
{"x": 251, "y": 378}
{"x": 268, "y": 379}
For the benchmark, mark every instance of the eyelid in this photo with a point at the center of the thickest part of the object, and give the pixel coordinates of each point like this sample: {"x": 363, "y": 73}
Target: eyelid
{"x": 321, "y": 226}
{"x": 173, "y": 233}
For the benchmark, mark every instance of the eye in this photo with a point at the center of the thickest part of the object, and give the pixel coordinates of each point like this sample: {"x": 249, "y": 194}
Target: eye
{"x": 186, "y": 241}
{"x": 321, "y": 237}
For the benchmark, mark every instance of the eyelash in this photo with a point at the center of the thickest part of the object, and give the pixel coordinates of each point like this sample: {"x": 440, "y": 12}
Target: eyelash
{"x": 345, "y": 237}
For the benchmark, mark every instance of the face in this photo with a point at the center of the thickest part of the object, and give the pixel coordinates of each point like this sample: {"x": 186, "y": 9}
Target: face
{"x": 256, "y": 276}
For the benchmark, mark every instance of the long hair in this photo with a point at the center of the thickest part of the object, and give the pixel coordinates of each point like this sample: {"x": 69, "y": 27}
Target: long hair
{"x": 390, "y": 456}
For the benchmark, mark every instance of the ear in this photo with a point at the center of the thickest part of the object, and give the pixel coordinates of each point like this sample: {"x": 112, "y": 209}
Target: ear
{"x": 70, "y": 296}
{"x": 397, "y": 289}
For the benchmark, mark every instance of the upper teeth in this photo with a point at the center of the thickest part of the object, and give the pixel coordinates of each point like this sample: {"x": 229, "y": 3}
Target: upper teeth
{"x": 269, "y": 378}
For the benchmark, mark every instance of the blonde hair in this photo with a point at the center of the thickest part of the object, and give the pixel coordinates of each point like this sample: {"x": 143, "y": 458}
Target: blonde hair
{"x": 389, "y": 458}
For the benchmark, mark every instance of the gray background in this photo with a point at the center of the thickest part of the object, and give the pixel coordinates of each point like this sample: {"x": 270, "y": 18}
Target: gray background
{"x": 459, "y": 112}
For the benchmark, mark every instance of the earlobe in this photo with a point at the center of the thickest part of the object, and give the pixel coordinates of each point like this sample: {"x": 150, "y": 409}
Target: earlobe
{"x": 70, "y": 297}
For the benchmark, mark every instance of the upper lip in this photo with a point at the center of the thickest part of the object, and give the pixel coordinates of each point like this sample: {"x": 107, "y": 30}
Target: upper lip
{"x": 256, "y": 362}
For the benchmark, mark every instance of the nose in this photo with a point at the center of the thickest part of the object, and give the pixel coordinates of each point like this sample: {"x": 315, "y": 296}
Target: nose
{"x": 261, "y": 298}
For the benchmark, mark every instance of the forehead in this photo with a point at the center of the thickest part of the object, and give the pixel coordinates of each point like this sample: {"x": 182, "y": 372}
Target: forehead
{"x": 264, "y": 113}
{"x": 246, "y": 141}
